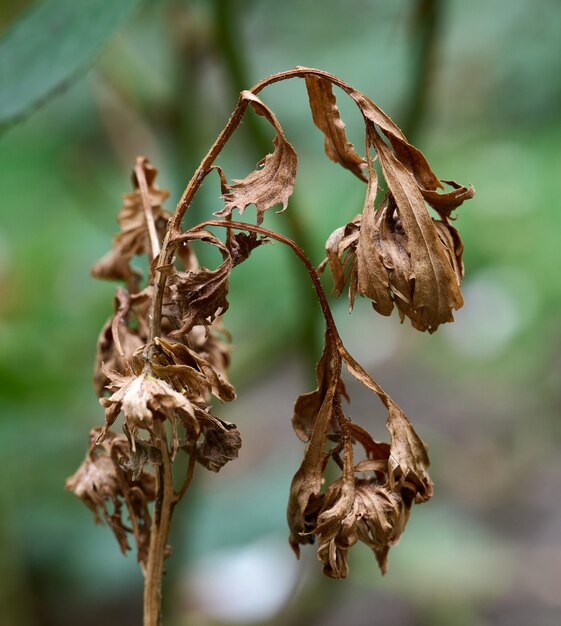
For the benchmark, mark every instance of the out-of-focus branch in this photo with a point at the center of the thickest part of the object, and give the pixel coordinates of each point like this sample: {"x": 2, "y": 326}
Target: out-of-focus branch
{"x": 228, "y": 44}
{"x": 426, "y": 27}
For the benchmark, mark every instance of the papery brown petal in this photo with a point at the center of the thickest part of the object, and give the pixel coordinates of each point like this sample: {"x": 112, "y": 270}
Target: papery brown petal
{"x": 184, "y": 359}
{"x": 327, "y": 118}
{"x": 336, "y": 520}
{"x": 133, "y": 237}
{"x": 437, "y": 291}
{"x": 447, "y": 202}
{"x": 391, "y": 241}
{"x": 201, "y": 295}
{"x": 273, "y": 183}
{"x": 221, "y": 443}
{"x": 340, "y": 250}
{"x": 409, "y": 461}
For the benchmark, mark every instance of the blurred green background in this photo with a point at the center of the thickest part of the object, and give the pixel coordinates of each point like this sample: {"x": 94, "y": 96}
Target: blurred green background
{"x": 477, "y": 85}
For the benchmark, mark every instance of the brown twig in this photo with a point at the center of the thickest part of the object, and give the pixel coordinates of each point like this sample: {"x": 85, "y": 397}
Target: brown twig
{"x": 159, "y": 532}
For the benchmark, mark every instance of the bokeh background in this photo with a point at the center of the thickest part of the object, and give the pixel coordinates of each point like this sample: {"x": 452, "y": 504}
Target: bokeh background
{"x": 84, "y": 88}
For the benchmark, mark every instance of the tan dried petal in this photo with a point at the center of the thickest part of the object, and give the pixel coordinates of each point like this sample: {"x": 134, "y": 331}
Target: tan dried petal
{"x": 197, "y": 375}
{"x": 273, "y": 183}
{"x": 201, "y": 294}
{"x": 142, "y": 399}
{"x": 358, "y": 509}
{"x": 133, "y": 237}
{"x": 221, "y": 443}
{"x": 327, "y": 118}
{"x": 105, "y": 485}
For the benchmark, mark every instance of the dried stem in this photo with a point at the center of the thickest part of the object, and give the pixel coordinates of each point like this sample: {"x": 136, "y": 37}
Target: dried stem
{"x": 159, "y": 532}
{"x": 147, "y": 206}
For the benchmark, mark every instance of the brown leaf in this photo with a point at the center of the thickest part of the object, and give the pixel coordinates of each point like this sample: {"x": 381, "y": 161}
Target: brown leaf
{"x": 116, "y": 343}
{"x": 133, "y": 237}
{"x": 327, "y": 118}
{"x": 179, "y": 361}
{"x": 221, "y": 443}
{"x": 409, "y": 460}
{"x": 340, "y": 249}
{"x": 306, "y": 484}
{"x": 105, "y": 485}
{"x": 201, "y": 294}
{"x": 273, "y": 183}
{"x": 308, "y": 405}
{"x": 436, "y": 287}
{"x": 143, "y": 399}
{"x": 372, "y": 277}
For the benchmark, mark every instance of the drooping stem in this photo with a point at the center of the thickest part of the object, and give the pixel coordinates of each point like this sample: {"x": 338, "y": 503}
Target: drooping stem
{"x": 204, "y": 168}
{"x": 322, "y": 298}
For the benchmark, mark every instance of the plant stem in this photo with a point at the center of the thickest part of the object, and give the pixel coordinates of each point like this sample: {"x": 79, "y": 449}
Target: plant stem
{"x": 427, "y": 20}
{"x": 159, "y": 532}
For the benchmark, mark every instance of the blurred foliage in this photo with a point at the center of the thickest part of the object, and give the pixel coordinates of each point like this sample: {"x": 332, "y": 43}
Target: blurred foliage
{"x": 484, "y": 392}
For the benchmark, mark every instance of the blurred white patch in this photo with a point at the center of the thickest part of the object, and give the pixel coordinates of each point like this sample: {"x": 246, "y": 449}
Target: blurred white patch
{"x": 499, "y": 302}
{"x": 514, "y": 171}
{"x": 248, "y": 584}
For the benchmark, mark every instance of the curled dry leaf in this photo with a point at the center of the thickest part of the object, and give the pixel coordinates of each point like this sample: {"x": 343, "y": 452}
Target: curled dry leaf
{"x": 397, "y": 254}
{"x": 306, "y": 484}
{"x": 201, "y": 294}
{"x": 327, "y": 118}
{"x": 142, "y": 400}
{"x": 117, "y": 341}
{"x": 105, "y": 486}
{"x": 273, "y": 183}
{"x": 221, "y": 442}
{"x": 308, "y": 405}
{"x": 132, "y": 240}
{"x": 177, "y": 362}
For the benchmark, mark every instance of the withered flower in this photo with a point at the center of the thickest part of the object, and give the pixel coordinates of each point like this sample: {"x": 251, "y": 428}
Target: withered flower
{"x": 143, "y": 399}
{"x": 107, "y": 488}
{"x": 132, "y": 240}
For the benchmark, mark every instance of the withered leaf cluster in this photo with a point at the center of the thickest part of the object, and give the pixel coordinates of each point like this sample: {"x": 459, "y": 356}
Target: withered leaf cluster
{"x": 110, "y": 484}
{"x": 163, "y": 355}
{"x": 160, "y": 387}
{"x": 394, "y": 252}
{"x": 371, "y": 500}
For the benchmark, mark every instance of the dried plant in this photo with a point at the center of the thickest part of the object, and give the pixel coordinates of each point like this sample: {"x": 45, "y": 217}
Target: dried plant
{"x": 163, "y": 355}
